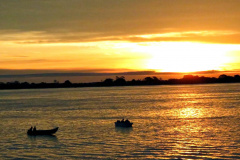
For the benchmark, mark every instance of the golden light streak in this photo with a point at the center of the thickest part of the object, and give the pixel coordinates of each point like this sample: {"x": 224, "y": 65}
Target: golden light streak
{"x": 187, "y": 34}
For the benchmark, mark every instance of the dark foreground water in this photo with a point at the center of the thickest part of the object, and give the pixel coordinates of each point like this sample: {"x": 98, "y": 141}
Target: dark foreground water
{"x": 170, "y": 122}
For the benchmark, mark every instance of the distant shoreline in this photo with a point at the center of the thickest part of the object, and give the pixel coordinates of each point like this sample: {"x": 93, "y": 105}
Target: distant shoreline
{"x": 120, "y": 81}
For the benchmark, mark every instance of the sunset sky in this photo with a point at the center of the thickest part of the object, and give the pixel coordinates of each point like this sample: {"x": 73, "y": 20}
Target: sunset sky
{"x": 110, "y": 36}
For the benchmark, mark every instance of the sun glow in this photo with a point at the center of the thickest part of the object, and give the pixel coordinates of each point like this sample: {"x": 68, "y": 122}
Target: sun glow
{"x": 187, "y": 56}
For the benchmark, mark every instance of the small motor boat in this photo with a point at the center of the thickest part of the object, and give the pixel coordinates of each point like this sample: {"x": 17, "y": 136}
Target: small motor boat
{"x": 123, "y": 123}
{"x": 34, "y": 132}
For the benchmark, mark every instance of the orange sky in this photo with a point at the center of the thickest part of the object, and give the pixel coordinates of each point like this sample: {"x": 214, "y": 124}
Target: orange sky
{"x": 136, "y": 35}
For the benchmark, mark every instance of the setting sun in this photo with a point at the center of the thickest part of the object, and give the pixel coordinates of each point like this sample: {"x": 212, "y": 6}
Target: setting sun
{"x": 188, "y": 56}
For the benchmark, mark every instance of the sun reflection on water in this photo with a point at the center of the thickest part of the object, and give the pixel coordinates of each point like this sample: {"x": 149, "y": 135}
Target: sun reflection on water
{"x": 190, "y": 113}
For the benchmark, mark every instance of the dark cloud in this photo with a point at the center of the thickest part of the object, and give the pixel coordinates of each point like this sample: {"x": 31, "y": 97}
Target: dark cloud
{"x": 30, "y": 61}
{"x": 88, "y": 20}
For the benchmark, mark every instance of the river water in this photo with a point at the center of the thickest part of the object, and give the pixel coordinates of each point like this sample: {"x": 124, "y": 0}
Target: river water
{"x": 170, "y": 122}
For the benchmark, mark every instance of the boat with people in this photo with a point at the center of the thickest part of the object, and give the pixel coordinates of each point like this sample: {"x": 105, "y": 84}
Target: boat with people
{"x": 123, "y": 123}
{"x": 33, "y": 131}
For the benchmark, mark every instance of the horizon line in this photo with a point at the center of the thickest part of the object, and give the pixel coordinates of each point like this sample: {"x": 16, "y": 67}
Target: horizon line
{"x": 81, "y": 74}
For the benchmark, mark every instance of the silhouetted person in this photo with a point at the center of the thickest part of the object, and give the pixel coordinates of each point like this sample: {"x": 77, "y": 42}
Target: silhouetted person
{"x": 30, "y": 129}
{"x": 34, "y": 129}
{"x": 122, "y": 120}
{"x": 127, "y": 121}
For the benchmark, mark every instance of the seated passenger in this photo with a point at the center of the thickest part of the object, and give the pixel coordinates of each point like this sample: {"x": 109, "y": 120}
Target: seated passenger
{"x": 30, "y": 129}
{"x": 127, "y": 121}
{"x": 122, "y": 120}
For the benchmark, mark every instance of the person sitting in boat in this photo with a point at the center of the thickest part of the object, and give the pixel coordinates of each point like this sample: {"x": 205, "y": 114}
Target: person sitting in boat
{"x": 122, "y": 120}
{"x": 127, "y": 121}
{"x": 118, "y": 121}
{"x": 31, "y": 128}
{"x": 34, "y": 129}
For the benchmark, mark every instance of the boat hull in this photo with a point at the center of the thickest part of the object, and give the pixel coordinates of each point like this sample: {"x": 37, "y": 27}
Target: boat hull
{"x": 122, "y": 124}
{"x": 42, "y": 132}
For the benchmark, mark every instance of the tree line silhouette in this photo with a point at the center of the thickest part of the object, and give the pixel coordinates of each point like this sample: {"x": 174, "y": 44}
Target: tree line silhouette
{"x": 121, "y": 81}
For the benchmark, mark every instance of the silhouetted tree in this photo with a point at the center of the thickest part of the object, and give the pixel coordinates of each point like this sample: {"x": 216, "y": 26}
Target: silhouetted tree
{"x": 152, "y": 80}
{"x": 222, "y": 76}
{"x": 25, "y": 85}
{"x": 225, "y": 79}
{"x": 108, "y": 82}
{"x": 237, "y": 76}
{"x": 55, "y": 81}
{"x": 120, "y": 80}
{"x": 148, "y": 80}
{"x": 67, "y": 82}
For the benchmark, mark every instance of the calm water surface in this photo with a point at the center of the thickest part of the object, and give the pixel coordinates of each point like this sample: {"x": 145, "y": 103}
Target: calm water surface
{"x": 170, "y": 122}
